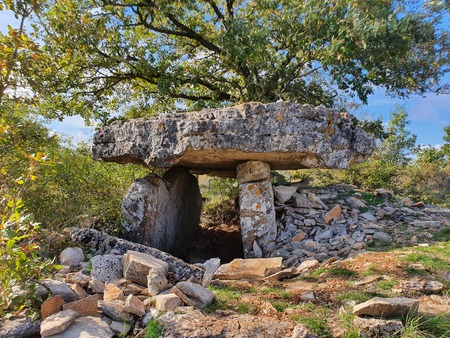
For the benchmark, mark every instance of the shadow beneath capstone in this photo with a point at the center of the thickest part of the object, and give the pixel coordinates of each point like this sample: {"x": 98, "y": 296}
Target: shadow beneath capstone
{"x": 223, "y": 241}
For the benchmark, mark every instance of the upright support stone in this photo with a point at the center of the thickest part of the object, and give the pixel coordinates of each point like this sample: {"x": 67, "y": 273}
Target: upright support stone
{"x": 257, "y": 209}
{"x": 163, "y": 212}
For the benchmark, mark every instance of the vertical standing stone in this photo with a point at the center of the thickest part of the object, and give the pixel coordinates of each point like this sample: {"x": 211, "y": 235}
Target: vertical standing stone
{"x": 257, "y": 209}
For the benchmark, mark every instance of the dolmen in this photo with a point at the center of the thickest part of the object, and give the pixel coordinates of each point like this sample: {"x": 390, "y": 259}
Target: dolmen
{"x": 246, "y": 141}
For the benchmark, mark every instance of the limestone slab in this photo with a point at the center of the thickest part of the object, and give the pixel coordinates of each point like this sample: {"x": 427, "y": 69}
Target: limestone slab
{"x": 194, "y": 294}
{"x": 57, "y": 322}
{"x": 87, "y": 327}
{"x": 254, "y": 268}
{"x": 283, "y": 134}
{"x": 387, "y": 307}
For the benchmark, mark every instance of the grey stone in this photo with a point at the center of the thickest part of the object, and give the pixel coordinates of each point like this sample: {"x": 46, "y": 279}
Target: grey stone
{"x": 71, "y": 256}
{"x": 120, "y": 328}
{"x": 163, "y": 212}
{"x": 115, "y": 310}
{"x": 60, "y": 288}
{"x": 253, "y": 171}
{"x": 106, "y": 268}
{"x": 194, "y": 294}
{"x": 368, "y": 216}
{"x": 283, "y": 134}
{"x": 104, "y": 243}
{"x": 87, "y": 327}
{"x": 355, "y": 202}
{"x": 387, "y": 307}
{"x": 427, "y": 224}
{"x": 57, "y": 322}
{"x": 211, "y": 266}
{"x": 324, "y": 235}
{"x": 284, "y": 193}
{"x": 19, "y": 328}
{"x": 373, "y": 327}
{"x": 382, "y": 237}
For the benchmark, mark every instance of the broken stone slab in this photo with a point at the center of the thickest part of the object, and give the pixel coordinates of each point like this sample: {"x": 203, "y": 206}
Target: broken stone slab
{"x": 168, "y": 302}
{"x": 87, "y": 327}
{"x": 387, "y": 307}
{"x": 254, "y": 268}
{"x": 134, "y": 305}
{"x": 51, "y": 306}
{"x": 136, "y": 266}
{"x": 84, "y": 307}
{"x": 174, "y": 203}
{"x": 57, "y": 322}
{"x": 380, "y": 328}
{"x": 285, "y": 135}
{"x": 60, "y": 288}
{"x": 211, "y": 266}
{"x": 194, "y": 294}
{"x": 115, "y": 310}
{"x": 104, "y": 243}
{"x": 112, "y": 292}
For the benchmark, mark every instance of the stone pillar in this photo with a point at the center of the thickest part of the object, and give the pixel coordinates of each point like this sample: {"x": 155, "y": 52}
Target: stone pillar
{"x": 257, "y": 209}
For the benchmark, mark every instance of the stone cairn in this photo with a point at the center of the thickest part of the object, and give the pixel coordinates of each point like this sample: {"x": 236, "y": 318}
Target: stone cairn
{"x": 246, "y": 142}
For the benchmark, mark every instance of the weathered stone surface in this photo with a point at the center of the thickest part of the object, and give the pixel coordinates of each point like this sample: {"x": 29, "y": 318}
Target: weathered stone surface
{"x": 71, "y": 256}
{"x": 198, "y": 324}
{"x": 106, "y": 268}
{"x": 60, "y": 288}
{"x": 136, "y": 266}
{"x": 52, "y": 305}
{"x": 373, "y": 327}
{"x": 257, "y": 210}
{"x": 308, "y": 265}
{"x": 163, "y": 212}
{"x": 120, "y": 328}
{"x": 84, "y": 307}
{"x": 112, "y": 292}
{"x": 168, "y": 302}
{"x": 387, "y": 307}
{"x": 77, "y": 278}
{"x": 283, "y": 134}
{"x": 134, "y": 305}
{"x": 104, "y": 243}
{"x": 79, "y": 291}
{"x": 57, "y": 322}
{"x": 211, "y": 266}
{"x": 19, "y": 328}
{"x": 87, "y": 327}
{"x": 194, "y": 294}
{"x": 156, "y": 282}
{"x": 115, "y": 310}
{"x": 284, "y": 193}
{"x": 255, "y": 268}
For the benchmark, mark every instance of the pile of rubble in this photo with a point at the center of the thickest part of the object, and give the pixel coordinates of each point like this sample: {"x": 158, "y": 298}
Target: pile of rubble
{"x": 337, "y": 221}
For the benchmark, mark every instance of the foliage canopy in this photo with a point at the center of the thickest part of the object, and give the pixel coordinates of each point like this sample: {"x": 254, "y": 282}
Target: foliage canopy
{"x": 144, "y": 56}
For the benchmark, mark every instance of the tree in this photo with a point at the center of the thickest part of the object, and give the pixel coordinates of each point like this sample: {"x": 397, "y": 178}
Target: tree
{"x": 144, "y": 56}
{"x": 400, "y": 143}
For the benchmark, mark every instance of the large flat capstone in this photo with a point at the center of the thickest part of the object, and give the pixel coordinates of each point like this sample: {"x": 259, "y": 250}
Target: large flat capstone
{"x": 283, "y": 134}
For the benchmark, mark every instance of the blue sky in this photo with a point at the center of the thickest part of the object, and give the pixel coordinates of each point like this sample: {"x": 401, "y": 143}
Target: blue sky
{"x": 428, "y": 115}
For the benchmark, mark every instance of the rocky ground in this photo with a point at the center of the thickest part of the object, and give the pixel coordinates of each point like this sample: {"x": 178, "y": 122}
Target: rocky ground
{"x": 394, "y": 253}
